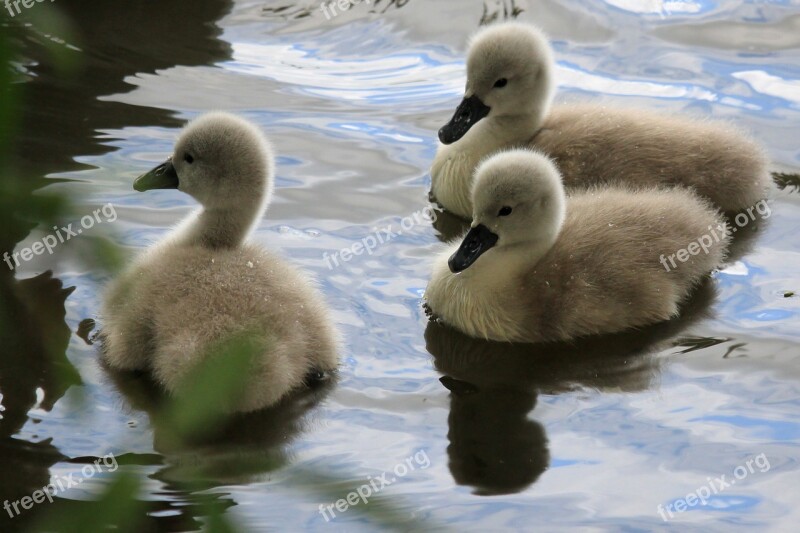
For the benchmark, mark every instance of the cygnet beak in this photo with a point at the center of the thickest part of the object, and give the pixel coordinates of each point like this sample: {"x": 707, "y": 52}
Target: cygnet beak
{"x": 161, "y": 177}
{"x": 468, "y": 113}
{"x": 478, "y": 241}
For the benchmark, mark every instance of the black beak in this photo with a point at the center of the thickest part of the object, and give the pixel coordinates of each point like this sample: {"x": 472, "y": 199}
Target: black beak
{"x": 469, "y": 111}
{"x": 478, "y": 241}
{"x": 161, "y": 177}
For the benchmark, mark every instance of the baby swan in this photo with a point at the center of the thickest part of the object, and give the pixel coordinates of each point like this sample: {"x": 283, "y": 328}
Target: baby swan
{"x": 538, "y": 267}
{"x": 204, "y": 285}
{"x": 507, "y": 105}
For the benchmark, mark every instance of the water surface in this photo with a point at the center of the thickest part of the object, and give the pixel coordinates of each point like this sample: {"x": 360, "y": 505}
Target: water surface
{"x": 595, "y": 435}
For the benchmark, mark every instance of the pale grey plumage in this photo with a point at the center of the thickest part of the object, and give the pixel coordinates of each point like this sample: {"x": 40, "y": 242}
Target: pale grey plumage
{"x": 565, "y": 268}
{"x": 204, "y": 284}
{"x": 591, "y": 144}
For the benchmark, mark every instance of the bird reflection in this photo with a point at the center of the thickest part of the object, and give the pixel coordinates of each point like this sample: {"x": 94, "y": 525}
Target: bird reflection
{"x": 34, "y": 373}
{"x": 449, "y": 227}
{"x": 236, "y": 451}
{"x": 70, "y": 109}
{"x": 494, "y": 446}
{"x": 34, "y": 340}
{"x": 60, "y": 116}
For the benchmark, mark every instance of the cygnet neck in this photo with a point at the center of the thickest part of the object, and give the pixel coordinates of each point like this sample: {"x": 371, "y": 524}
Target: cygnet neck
{"x": 516, "y": 129}
{"x": 226, "y": 226}
{"x": 523, "y": 256}
{"x": 502, "y": 266}
{"x": 513, "y": 259}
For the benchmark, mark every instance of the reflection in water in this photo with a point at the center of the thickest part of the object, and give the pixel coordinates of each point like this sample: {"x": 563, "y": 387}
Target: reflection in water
{"x": 493, "y": 386}
{"x": 34, "y": 370}
{"x": 237, "y": 451}
{"x": 178, "y": 512}
{"x": 26, "y": 468}
{"x": 499, "y": 10}
{"x": 115, "y": 42}
{"x": 449, "y": 226}
{"x": 787, "y": 181}
{"x": 744, "y": 238}
{"x": 59, "y": 122}
{"x": 356, "y": 104}
{"x": 382, "y": 6}
{"x": 493, "y": 445}
{"x": 34, "y": 341}
{"x": 34, "y": 373}
{"x": 766, "y": 37}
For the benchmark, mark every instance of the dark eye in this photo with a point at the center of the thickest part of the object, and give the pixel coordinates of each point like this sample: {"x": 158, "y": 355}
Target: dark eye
{"x": 502, "y": 82}
{"x": 188, "y": 158}
{"x": 504, "y": 211}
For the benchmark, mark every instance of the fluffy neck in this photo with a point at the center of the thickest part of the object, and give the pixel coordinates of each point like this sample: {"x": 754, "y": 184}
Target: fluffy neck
{"x": 506, "y": 130}
{"x": 513, "y": 259}
{"x": 482, "y": 300}
{"x": 510, "y": 261}
{"x": 221, "y": 227}
{"x": 454, "y": 165}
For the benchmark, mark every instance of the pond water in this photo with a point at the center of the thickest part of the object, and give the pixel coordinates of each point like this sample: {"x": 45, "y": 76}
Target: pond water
{"x": 471, "y": 435}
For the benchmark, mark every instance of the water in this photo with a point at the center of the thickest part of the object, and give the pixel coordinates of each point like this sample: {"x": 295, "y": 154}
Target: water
{"x": 595, "y": 435}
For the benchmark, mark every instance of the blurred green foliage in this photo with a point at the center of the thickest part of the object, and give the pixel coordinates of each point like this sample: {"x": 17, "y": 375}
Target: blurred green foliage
{"x": 25, "y": 200}
{"x": 32, "y": 311}
{"x": 203, "y": 404}
{"x": 20, "y": 210}
{"x": 210, "y": 392}
{"x": 117, "y": 509}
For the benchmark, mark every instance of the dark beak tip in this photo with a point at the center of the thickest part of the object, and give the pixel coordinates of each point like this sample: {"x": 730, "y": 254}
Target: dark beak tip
{"x": 451, "y": 263}
{"x": 477, "y": 241}
{"x": 470, "y": 111}
{"x": 444, "y": 136}
{"x": 138, "y": 185}
{"x": 161, "y": 177}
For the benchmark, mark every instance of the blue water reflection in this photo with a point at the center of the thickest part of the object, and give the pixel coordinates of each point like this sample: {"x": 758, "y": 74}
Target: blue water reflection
{"x": 352, "y": 106}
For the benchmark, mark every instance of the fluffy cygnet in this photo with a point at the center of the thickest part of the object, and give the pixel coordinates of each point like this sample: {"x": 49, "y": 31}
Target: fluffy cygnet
{"x": 538, "y": 267}
{"x": 507, "y": 105}
{"x": 204, "y": 285}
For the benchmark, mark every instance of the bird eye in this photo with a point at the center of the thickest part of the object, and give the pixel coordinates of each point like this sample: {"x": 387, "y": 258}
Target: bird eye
{"x": 502, "y": 82}
{"x": 188, "y": 158}
{"x": 504, "y": 211}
